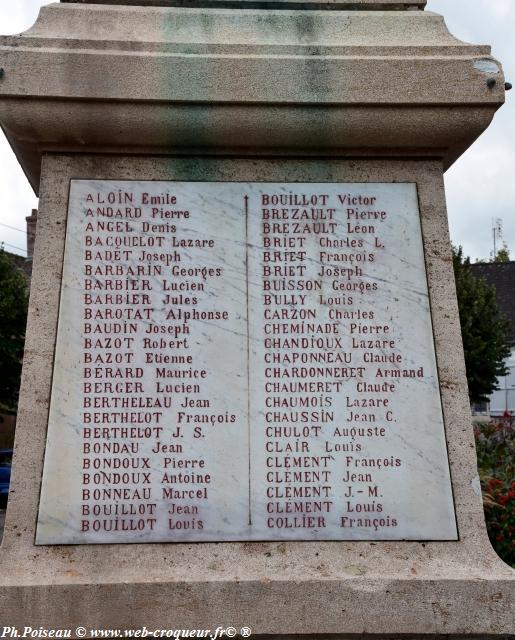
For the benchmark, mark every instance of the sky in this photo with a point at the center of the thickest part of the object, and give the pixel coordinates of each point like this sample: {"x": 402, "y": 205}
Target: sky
{"x": 480, "y": 185}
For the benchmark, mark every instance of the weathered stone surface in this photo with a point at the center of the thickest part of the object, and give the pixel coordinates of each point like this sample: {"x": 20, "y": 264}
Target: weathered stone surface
{"x": 153, "y": 79}
{"x": 162, "y": 93}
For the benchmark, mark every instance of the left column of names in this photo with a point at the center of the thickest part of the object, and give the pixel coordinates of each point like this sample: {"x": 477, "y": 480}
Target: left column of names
{"x": 152, "y": 297}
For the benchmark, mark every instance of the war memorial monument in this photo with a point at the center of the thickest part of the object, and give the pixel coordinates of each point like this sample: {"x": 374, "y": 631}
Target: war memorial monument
{"x": 244, "y": 400}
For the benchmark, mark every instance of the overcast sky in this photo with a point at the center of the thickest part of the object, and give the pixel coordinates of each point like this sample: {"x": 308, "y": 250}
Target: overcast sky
{"x": 480, "y": 186}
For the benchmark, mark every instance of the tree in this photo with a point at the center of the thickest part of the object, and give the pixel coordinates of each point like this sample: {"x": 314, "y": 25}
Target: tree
{"x": 13, "y": 317}
{"x": 503, "y": 255}
{"x": 485, "y": 330}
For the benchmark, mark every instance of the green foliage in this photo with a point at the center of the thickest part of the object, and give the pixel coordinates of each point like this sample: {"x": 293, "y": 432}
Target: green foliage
{"x": 484, "y": 329}
{"x": 503, "y": 255}
{"x": 13, "y": 317}
{"x": 495, "y": 444}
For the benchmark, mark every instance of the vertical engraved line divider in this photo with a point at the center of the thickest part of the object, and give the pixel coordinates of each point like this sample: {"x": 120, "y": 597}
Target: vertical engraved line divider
{"x": 246, "y": 198}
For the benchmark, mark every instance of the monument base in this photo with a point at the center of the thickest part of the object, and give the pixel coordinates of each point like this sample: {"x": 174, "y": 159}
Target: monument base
{"x": 428, "y": 589}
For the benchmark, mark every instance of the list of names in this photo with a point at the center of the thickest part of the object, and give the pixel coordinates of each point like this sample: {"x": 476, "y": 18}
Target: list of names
{"x": 244, "y": 361}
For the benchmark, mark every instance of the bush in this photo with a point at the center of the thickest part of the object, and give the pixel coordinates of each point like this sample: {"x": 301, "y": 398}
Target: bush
{"x": 495, "y": 443}
{"x": 13, "y": 317}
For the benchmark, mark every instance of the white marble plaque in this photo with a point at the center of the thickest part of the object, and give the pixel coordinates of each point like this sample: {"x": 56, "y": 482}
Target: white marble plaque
{"x": 244, "y": 361}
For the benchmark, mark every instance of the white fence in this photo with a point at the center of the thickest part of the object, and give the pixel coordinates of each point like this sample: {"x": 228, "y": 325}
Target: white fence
{"x": 504, "y": 399}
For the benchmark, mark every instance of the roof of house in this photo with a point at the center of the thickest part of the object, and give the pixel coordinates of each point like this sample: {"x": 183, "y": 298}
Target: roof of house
{"x": 500, "y": 275}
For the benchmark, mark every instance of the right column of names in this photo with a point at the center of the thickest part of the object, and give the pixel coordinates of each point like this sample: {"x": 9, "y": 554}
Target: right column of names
{"x": 342, "y": 346}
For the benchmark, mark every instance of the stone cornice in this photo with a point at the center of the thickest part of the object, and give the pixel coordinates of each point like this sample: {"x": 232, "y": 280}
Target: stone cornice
{"x": 157, "y": 80}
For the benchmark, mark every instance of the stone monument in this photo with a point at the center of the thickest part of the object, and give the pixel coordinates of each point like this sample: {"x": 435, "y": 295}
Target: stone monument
{"x": 243, "y": 342}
